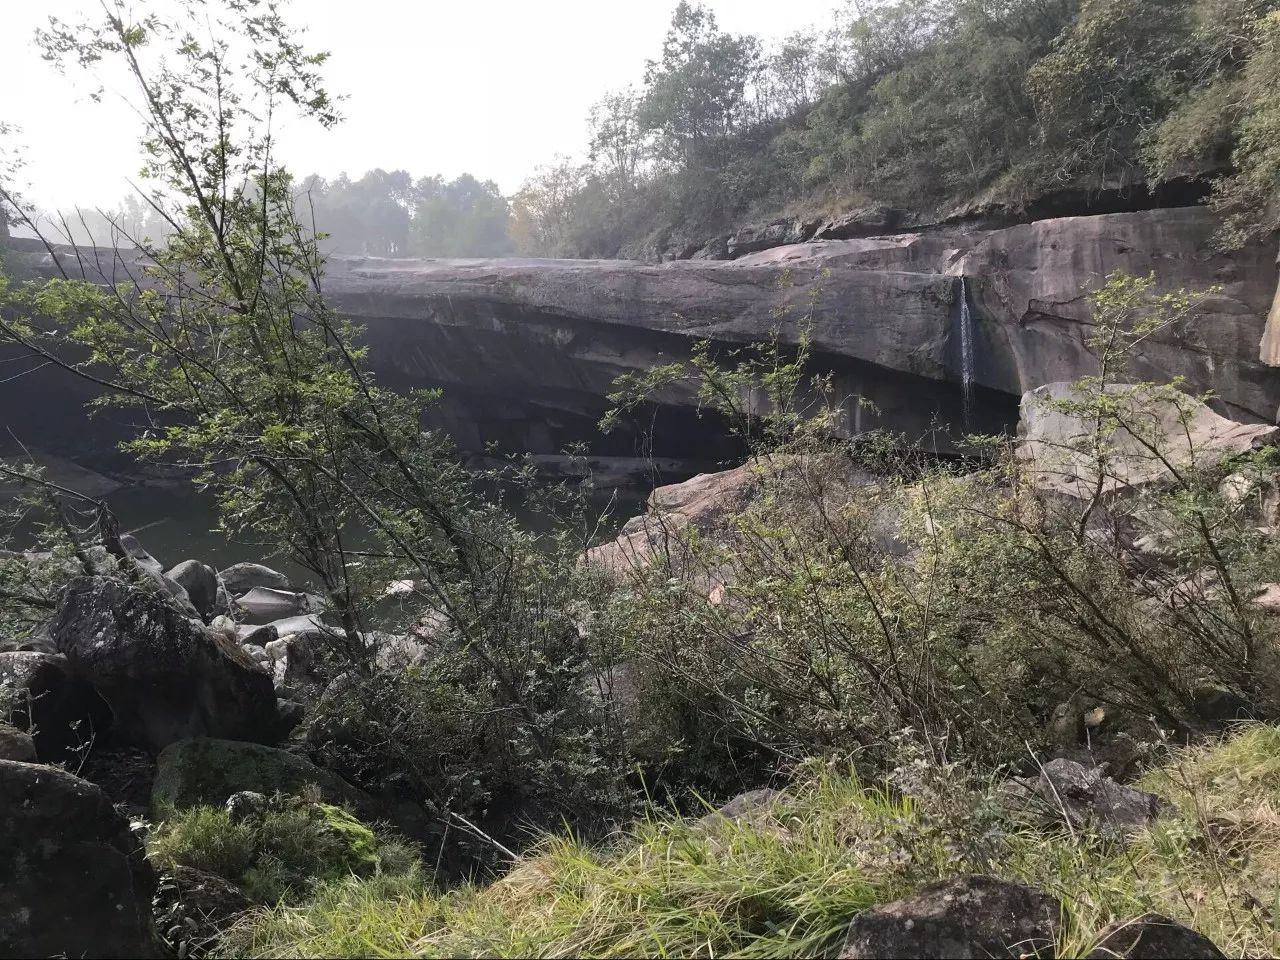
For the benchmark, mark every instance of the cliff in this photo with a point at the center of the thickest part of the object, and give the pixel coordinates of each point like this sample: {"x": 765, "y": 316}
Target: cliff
{"x": 527, "y": 350}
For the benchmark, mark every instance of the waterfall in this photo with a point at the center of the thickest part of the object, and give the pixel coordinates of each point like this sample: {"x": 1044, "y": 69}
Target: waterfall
{"x": 966, "y": 354}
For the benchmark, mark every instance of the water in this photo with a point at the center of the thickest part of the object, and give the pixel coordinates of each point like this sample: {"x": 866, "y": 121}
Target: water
{"x": 179, "y": 523}
{"x": 966, "y": 355}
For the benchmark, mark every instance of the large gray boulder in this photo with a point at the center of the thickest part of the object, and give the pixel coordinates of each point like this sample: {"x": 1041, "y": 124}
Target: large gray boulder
{"x": 240, "y": 578}
{"x": 263, "y": 605}
{"x": 200, "y": 581}
{"x": 969, "y": 917}
{"x": 164, "y": 675}
{"x": 74, "y": 881}
{"x": 1086, "y": 798}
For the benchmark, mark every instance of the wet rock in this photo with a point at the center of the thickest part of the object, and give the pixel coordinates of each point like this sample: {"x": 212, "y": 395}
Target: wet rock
{"x": 240, "y": 578}
{"x": 969, "y": 917}
{"x": 1152, "y": 937}
{"x": 1088, "y": 798}
{"x": 200, "y": 581}
{"x": 165, "y": 676}
{"x": 74, "y": 881}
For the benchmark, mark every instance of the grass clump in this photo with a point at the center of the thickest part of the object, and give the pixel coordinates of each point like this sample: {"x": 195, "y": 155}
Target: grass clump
{"x": 785, "y": 880}
{"x": 280, "y": 855}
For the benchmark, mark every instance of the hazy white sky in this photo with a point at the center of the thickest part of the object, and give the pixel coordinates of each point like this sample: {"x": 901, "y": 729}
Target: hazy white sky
{"x": 493, "y": 87}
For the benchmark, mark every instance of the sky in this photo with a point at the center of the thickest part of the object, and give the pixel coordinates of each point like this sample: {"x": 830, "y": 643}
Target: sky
{"x": 490, "y": 87}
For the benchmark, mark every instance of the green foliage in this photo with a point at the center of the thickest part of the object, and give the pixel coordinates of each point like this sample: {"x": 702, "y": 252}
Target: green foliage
{"x": 930, "y": 106}
{"x": 279, "y": 855}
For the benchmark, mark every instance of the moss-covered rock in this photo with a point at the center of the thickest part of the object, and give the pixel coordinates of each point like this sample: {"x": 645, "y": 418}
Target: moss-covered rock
{"x": 205, "y": 772}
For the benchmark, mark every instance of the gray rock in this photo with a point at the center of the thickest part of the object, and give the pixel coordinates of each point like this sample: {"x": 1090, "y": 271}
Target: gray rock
{"x": 200, "y": 582}
{"x": 244, "y": 804}
{"x": 256, "y": 636}
{"x": 969, "y": 917}
{"x": 140, "y": 555}
{"x": 262, "y": 605}
{"x": 1087, "y": 798}
{"x": 206, "y": 772}
{"x": 39, "y": 694}
{"x": 193, "y": 907}
{"x": 165, "y": 677}
{"x": 17, "y": 745}
{"x": 1152, "y": 937}
{"x": 747, "y": 807}
{"x": 75, "y": 881}
{"x": 243, "y": 577}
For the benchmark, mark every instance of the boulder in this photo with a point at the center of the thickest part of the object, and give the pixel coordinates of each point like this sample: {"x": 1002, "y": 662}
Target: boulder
{"x": 240, "y": 578}
{"x": 39, "y": 695}
{"x": 165, "y": 676}
{"x": 1152, "y": 937}
{"x": 150, "y": 567}
{"x": 262, "y": 605}
{"x": 745, "y": 807}
{"x": 206, "y": 772}
{"x": 1057, "y": 445}
{"x": 1089, "y": 799}
{"x": 245, "y": 805}
{"x": 75, "y": 880}
{"x": 200, "y": 581}
{"x": 256, "y": 636}
{"x": 969, "y": 917}
{"x": 16, "y": 745}
{"x": 193, "y": 907}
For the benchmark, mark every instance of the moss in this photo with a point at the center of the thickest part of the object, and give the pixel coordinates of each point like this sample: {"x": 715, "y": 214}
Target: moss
{"x": 278, "y": 856}
{"x": 205, "y": 772}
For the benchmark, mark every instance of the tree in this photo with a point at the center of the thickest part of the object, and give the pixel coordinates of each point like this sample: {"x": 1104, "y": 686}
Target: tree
{"x": 618, "y": 145}
{"x": 696, "y": 93}
{"x": 224, "y": 340}
{"x": 462, "y": 218}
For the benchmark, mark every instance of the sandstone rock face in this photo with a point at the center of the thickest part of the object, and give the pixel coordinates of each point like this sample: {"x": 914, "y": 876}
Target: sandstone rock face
{"x": 75, "y": 879}
{"x": 527, "y": 350}
{"x": 1165, "y": 435}
{"x": 165, "y": 676}
{"x": 969, "y": 917}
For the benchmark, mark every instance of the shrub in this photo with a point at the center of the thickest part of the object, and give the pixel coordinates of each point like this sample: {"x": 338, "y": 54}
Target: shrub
{"x": 281, "y": 854}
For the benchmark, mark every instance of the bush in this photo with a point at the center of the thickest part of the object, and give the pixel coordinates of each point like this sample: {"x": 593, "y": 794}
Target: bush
{"x": 279, "y": 855}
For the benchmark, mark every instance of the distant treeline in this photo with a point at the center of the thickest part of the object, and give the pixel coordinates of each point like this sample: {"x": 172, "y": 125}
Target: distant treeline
{"x": 927, "y": 105}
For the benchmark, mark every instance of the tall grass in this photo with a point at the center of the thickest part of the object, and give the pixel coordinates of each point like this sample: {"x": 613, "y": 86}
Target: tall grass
{"x": 785, "y": 880}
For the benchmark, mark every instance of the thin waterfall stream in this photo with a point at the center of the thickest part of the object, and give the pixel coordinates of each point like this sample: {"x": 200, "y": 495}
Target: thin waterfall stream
{"x": 966, "y": 355}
